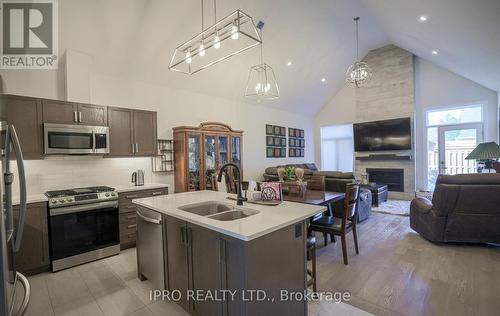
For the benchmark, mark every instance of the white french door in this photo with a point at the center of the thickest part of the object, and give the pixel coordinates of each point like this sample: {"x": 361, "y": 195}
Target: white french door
{"x": 455, "y": 143}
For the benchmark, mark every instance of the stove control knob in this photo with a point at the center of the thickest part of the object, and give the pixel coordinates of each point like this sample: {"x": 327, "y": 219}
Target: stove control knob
{"x": 69, "y": 200}
{"x": 53, "y": 201}
{"x": 113, "y": 193}
{"x": 107, "y": 194}
{"x": 61, "y": 200}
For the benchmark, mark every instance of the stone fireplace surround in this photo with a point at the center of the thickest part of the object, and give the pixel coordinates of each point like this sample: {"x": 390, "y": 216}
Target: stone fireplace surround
{"x": 390, "y": 94}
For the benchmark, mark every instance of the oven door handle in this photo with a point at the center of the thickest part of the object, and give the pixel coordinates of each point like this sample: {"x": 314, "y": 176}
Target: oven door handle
{"x": 82, "y": 208}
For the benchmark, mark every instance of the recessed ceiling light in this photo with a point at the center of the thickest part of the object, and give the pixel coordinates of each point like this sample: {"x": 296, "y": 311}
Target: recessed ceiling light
{"x": 289, "y": 63}
{"x": 434, "y": 52}
{"x": 323, "y": 79}
{"x": 422, "y": 18}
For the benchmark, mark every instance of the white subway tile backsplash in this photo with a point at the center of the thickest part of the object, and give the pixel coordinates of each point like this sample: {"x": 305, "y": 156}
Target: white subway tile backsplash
{"x": 62, "y": 172}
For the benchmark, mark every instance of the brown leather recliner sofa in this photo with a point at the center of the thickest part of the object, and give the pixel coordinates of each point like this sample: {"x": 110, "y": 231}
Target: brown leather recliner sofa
{"x": 464, "y": 208}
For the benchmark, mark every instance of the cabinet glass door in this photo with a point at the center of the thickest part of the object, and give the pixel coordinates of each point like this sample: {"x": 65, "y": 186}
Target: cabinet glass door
{"x": 194, "y": 162}
{"x": 236, "y": 159}
{"x": 236, "y": 151}
{"x": 223, "y": 150}
{"x": 210, "y": 162}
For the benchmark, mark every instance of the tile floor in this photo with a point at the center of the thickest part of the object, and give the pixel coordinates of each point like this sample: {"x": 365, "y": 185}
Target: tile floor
{"x": 110, "y": 287}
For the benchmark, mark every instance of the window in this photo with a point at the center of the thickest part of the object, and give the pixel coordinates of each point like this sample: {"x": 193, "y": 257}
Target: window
{"x": 466, "y": 114}
{"x": 337, "y": 148}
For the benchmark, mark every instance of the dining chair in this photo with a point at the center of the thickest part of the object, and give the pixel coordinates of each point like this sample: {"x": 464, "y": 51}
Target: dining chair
{"x": 316, "y": 183}
{"x": 311, "y": 256}
{"x": 335, "y": 226}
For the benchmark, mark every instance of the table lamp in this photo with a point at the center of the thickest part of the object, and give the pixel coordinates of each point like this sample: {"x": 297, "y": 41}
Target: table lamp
{"x": 487, "y": 152}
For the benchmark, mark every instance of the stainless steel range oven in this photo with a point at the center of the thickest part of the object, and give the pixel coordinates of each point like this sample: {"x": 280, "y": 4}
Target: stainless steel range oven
{"x": 61, "y": 139}
{"x": 83, "y": 225}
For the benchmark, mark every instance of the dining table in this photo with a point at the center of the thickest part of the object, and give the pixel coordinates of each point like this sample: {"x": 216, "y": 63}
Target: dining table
{"x": 315, "y": 197}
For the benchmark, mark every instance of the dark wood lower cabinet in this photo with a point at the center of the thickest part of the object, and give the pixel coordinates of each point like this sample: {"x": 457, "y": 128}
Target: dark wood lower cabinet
{"x": 33, "y": 256}
{"x": 128, "y": 221}
{"x": 207, "y": 256}
{"x": 177, "y": 258}
{"x": 204, "y": 261}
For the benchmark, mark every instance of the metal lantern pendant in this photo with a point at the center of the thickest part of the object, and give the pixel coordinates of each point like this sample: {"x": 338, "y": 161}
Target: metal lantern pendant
{"x": 229, "y": 36}
{"x": 261, "y": 83}
{"x": 358, "y": 73}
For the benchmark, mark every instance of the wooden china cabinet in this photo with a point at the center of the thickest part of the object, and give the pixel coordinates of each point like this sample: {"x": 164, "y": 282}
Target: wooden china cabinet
{"x": 201, "y": 151}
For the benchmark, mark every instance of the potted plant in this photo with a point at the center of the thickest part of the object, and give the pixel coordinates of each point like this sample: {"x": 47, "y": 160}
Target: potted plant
{"x": 289, "y": 173}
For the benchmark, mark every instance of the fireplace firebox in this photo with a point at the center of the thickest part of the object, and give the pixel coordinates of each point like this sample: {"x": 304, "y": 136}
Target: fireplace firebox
{"x": 393, "y": 178}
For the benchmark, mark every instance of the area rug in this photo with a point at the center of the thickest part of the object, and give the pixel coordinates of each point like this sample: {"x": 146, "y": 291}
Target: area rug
{"x": 394, "y": 207}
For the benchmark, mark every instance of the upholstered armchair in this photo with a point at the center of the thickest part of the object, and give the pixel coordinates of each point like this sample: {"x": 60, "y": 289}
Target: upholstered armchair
{"x": 464, "y": 208}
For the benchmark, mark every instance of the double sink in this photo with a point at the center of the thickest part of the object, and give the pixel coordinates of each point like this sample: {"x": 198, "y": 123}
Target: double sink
{"x": 218, "y": 210}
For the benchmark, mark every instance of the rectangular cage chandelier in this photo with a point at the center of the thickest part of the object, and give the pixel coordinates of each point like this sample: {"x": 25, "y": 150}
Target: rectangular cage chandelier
{"x": 230, "y": 36}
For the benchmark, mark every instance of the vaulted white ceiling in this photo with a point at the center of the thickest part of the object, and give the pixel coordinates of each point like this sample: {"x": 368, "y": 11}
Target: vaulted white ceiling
{"x": 136, "y": 39}
{"x": 466, "y": 34}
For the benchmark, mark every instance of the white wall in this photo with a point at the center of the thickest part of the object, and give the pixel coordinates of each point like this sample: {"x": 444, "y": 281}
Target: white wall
{"x": 436, "y": 88}
{"x": 175, "y": 107}
{"x": 340, "y": 110}
{"x": 180, "y": 107}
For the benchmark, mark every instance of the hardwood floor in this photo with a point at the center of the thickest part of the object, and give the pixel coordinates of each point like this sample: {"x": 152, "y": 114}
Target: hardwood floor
{"x": 399, "y": 273}
{"x": 396, "y": 273}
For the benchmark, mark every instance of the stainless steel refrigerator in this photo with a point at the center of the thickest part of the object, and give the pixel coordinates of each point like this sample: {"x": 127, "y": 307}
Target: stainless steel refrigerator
{"x": 14, "y": 287}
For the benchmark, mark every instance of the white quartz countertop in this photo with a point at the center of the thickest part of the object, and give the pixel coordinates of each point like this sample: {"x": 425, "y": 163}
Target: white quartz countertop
{"x": 269, "y": 218}
{"x": 132, "y": 187}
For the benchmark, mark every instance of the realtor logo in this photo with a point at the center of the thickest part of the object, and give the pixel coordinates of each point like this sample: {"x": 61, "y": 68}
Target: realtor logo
{"x": 29, "y": 34}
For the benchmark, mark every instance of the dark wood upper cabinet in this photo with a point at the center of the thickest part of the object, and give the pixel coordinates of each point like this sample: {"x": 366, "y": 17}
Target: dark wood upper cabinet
{"x": 89, "y": 114}
{"x": 145, "y": 133}
{"x": 132, "y": 132}
{"x": 60, "y": 112}
{"x": 64, "y": 112}
{"x": 120, "y": 123}
{"x": 33, "y": 256}
{"x": 26, "y": 115}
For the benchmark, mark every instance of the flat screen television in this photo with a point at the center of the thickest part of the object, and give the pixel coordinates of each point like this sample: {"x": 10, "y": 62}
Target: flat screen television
{"x": 392, "y": 134}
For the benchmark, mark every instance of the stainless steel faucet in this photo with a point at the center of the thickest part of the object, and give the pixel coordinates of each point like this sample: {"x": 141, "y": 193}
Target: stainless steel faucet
{"x": 138, "y": 177}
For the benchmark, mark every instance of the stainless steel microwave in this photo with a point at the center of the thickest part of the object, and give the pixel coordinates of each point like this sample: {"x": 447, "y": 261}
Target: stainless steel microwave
{"x": 63, "y": 139}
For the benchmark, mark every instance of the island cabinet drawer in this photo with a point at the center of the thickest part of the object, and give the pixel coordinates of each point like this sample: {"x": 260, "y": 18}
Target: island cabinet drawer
{"x": 128, "y": 218}
{"x": 127, "y": 197}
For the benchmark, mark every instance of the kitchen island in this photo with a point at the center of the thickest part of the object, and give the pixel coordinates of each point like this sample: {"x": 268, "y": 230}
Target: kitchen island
{"x": 222, "y": 259}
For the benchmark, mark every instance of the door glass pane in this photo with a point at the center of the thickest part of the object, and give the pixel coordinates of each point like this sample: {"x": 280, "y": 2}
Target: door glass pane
{"x": 194, "y": 162}
{"x": 223, "y": 153}
{"x": 432, "y": 157}
{"x": 210, "y": 162}
{"x": 457, "y": 145}
{"x": 470, "y": 114}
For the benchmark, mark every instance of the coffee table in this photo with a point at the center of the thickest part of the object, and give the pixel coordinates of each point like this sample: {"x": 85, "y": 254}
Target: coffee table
{"x": 379, "y": 192}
